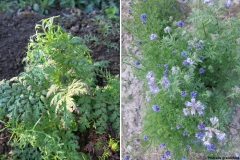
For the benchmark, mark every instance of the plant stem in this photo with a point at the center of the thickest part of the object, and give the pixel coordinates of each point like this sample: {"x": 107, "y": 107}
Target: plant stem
{"x": 203, "y": 25}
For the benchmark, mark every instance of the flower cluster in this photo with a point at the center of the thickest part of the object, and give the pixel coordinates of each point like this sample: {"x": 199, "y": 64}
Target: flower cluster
{"x": 167, "y": 153}
{"x": 195, "y": 43}
{"x": 151, "y": 82}
{"x": 207, "y": 136}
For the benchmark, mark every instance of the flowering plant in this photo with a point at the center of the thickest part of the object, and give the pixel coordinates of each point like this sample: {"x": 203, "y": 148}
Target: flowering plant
{"x": 191, "y": 68}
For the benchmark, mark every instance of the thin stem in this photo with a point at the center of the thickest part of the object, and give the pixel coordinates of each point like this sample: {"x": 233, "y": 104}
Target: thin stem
{"x": 203, "y": 25}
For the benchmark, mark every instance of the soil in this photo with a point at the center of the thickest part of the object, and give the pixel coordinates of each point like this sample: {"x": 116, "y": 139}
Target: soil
{"x": 133, "y": 99}
{"x": 16, "y": 29}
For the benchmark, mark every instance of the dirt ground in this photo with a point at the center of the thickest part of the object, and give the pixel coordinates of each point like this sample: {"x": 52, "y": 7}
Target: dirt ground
{"x": 133, "y": 100}
{"x": 16, "y": 29}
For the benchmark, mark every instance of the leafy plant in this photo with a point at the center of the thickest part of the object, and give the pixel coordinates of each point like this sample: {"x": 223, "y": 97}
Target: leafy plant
{"x": 191, "y": 76}
{"x": 56, "y": 95}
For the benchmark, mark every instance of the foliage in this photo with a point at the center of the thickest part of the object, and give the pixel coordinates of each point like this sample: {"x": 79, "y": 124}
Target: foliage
{"x": 192, "y": 74}
{"x": 42, "y": 6}
{"x": 57, "y": 95}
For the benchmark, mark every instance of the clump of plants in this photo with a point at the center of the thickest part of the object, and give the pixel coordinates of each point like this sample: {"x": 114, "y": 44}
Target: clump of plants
{"x": 58, "y": 96}
{"x": 191, "y": 70}
{"x": 43, "y": 6}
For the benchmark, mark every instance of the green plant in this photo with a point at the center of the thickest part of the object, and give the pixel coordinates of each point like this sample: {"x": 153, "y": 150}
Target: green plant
{"x": 56, "y": 95}
{"x": 191, "y": 75}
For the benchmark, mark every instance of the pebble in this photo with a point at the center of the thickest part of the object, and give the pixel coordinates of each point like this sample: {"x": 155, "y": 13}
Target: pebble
{"x": 75, "y": 28}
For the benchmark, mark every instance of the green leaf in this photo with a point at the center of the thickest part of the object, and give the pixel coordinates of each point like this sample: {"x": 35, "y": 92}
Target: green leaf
{"x": 36, "y": 7}
{"x": 75, "y": 40}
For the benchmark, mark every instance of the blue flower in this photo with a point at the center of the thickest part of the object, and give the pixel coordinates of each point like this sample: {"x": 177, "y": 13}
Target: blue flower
{"x": 188, "y": 147}
{"x": 180, "y": 23}
{"x": 165, "y": 82}
{"x": 185, "y": 63}
{"x": 178, "y": 126}
{"x": 167, "y": 153}
{"x": 163, "y": 157}
{"x": 228, "y": 3}
{"x": 145, "y": 138}
{"x": 130, "y": 4}
{"x": 137, "y": 63}
{"x": 165, "y": 65}
{"x": 183, "y": 54}
{"x": 127, "y": 158}
{"x": 174, "y": 51}
{"x": 155, "y": 108}
{"x": 201, "y": 58}
{"x": 165, "y": 72}
{"x": 143, "y": 16}
{"x": 183, "y": 158}
{"x": 152, "y": 36}
{"x": 184, "y": 93}
{"x": 210, "y": 147}
{"x": 193, "y": 94}
{"x": 189, "y": 47}
{"x": 199, "y": 135}
{"x": 201, "y": 70}
{"x": 184, "y": 133}
{"x": 162, "y": 145}
{"x": 199, "y": 47}
{"x": 143, "y": 22}
{"x": 139, "y": 42}
{"x": 201, "y": 126}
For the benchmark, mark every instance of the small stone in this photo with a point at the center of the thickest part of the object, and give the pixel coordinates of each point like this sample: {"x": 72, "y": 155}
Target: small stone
{"x": 233, "y": 131}
{"x": 75, "y": 28}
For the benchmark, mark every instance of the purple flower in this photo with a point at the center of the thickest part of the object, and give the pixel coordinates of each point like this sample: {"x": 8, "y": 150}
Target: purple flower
{"x": 154, "y": 89}
{"x": 193, "y": 94}
{"x": 152, "y": 36}
{"x": 220, "y": 136}
{"x": 143, "y": 16}
{"x": 165, "y": 65}
{"x": 188, "y": 147}
{"x": 145, "y": 138}
{"x": 183, "y": 158}
{"x": 189, "y": 47}
{"x": 162, "y": 145}
{"x": 139, "y": 42}
{"x": 143, "y": 22}
{"x": 185, "y": 63}
{"x": 195, "y": 106}
{"x": 155, "y": 108}
{"x": 127, "y": 158}
{"x": 228, "y": 3}
{"x": 201, "y": 126}
{"x": 201, "y": 70}
{"x": 199, "y": 47}
{"x": 167, "y": 153}
{"x": 199, "y": 135}
{"x": 183, "y": 54}
{"x": 130, "y": 4}
{"x": 180, "y": 23}
{"x": 178, "y": 126}
{"x": 210, "y": 147}
{"x": 165, "y": 72}
{"x": 137, "y": 63}
{"x": 165, "y": 82}
{"x": 184, "y": 133}
{"x": 201, "y": 58}
{"x": 184, "y": 93}
{"x": 163, "y": 157}
{"x": 174, "y": 51}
